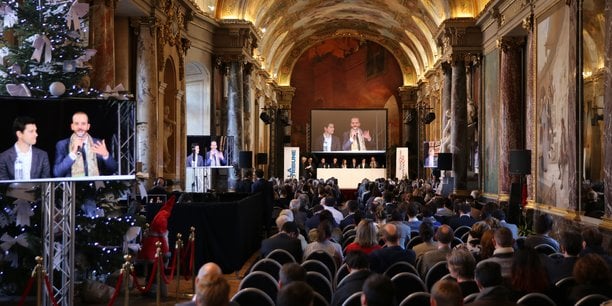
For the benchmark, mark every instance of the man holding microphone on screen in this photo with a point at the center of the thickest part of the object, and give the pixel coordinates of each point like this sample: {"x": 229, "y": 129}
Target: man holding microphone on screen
{"x": 81, "y": 154}
{"x": 355, "y": 139}
{"x": 214, "y": 157}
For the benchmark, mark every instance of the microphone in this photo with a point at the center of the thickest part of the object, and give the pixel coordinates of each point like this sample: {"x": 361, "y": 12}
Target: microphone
{"x": 78, "y": 150}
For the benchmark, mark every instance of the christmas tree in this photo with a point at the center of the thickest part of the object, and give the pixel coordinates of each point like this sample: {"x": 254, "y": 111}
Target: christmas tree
{"x": 42, "y": 42}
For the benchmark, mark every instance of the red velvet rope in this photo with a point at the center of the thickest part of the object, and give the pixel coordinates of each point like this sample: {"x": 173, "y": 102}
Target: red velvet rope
{"x": 150, "y": 283}
{"x": 117, "y": 289}
{"x": 50, "y": 290}
{"x": 192, "y": 259}
{"x": 26, "y": 291}
{"x": 164, "y": 277}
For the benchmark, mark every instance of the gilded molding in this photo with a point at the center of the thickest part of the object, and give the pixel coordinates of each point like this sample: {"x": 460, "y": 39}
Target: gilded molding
{"x": 510, "y": 43}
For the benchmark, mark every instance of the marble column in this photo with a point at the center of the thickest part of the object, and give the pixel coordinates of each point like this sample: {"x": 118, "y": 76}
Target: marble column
{"x": 146, "y": 95}
{"x": 608, "y": 112}
{"x": 235, "y": 102}
{"x": 510, "y": 110}
{"x": 446, "y": 95}
{"x": 530, "y": 103}
{"x": 458, "y": 141}
{"x": 102, "y": 34}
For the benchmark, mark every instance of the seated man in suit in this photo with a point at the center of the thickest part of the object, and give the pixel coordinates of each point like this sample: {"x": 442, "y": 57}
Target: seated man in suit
{"x": 214, "y": 157}
{"x": 358, "y": 266}
{"x": 382, "y": 259}
{"x": 81, "y": 154}
{"x": 286, "y": 239}
{"x": 23, "y": 161}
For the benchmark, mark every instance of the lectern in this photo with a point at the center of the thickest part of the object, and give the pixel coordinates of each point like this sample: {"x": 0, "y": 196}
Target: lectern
{"x": 205, "y": 179}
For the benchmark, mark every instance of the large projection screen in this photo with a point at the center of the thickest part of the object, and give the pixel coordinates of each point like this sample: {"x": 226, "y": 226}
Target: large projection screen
{"x": 372, "y": 121}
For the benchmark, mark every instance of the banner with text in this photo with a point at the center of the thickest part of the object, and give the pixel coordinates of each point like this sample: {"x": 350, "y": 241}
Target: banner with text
{"x": 291, "y": 162}
{"x": 401, "y": 163}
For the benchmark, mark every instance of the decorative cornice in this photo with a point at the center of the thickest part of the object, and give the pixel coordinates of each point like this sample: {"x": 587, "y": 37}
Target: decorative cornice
{"x": 510, "y": 43}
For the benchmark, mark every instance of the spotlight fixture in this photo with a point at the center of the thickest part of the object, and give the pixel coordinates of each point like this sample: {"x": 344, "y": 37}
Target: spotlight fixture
{"x": 265, "y": 117}
{"x": 431, "y": 116}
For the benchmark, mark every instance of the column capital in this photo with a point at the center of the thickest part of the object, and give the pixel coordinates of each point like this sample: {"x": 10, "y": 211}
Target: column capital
{"x": 235, "y": 40}
{"x": 408, "y": 96}
{"x": 458, "y": 36}
{"x": 510, "y": 43}
{"x": 285, "y": 96}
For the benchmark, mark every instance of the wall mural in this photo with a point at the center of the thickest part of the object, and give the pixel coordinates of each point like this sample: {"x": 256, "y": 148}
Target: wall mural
{"x": 491, "y": 122}
{"x": 552, "y": 108}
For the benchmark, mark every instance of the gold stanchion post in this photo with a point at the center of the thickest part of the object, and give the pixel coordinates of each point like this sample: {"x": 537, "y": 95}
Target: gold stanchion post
{"x": 160, "y": 266}
{"x": 127, "y": 271}
{"x": 38, "y": 272}
{"x": 178, "y": 246}
{"x": 192, "y": 241}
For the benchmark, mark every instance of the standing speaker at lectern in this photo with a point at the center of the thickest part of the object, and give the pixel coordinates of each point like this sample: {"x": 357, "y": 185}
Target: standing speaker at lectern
{"x": 214, "y": 157}
{"x": 195, "y": 159}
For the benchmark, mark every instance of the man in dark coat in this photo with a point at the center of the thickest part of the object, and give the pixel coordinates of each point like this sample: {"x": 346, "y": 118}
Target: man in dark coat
{"x": 382, "y": 259}
{"x": 286, "y": 240}
{"x": 357, "y": 262}
{"x": 265, "y": 187}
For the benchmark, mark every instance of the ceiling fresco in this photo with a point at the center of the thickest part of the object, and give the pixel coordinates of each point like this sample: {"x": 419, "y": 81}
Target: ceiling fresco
{"x": 407, "y": 28}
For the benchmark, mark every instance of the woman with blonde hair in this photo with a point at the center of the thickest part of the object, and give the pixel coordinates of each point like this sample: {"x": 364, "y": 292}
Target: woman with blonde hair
{"x": 366, "y": 238}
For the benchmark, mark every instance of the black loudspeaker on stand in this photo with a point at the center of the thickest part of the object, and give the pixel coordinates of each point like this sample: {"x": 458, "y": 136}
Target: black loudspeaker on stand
{"x": 519, "y": 163}
{"x": 245, "y": 159}
{"x": 445, "y": 161}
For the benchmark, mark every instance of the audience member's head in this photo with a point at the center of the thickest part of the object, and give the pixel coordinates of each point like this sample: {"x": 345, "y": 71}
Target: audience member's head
{"x": 259, "y": 173}
{"x": 488, "y": 274}
{"x": 324, "y": 230}
{"x": 357, "y": 260}
{"x": 352, "y": 205}
{"x": 487, "y": 244}
{"x": 291, "y": 272}
{"x": 591, "y": 237}
{"x": 294, "y": 204}
{"x": 543, "y": 224}
{"x": 445, "y": 234}
{"x": 295, "y": 294}
{"x": 209, "y": 268}
{"x": 413, "y": 209}
{"x": 366, "y": 234}
{"x": 528, "y": 272}
{"x": 212, "y": 290}
{"x": 461, "y": 264}
{"x": 503, "y": 238}
{"x": 478, "y": 229}
{"x": 591, "y": 269}
{"x": 571, "y": 243}
{"x": 446, "y": 293}
{"x": 390, "y": 234}
{"x": 377, "y": 290}
{"x": 291, "y": 229}
{"x": 499, "y": 214}
{"x": 426, "y": 231}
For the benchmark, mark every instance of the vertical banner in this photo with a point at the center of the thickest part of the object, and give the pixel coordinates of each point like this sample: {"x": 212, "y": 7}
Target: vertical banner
{"x": 291, "y": 159}
{"x": 401, "y": 162}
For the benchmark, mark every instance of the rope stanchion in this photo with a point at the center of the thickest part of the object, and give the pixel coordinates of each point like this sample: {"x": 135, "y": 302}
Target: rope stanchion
{"x": 117, "y": 289}
{"x": 158, "y": 259}
{"x": 39, "y": 279}
{"x": 127, "y": 270}
{"x": 192, "y": 255}
{"x": 50, "y": 290}
{"x": 178, "y": 246}
{"x": 35, "y": 273}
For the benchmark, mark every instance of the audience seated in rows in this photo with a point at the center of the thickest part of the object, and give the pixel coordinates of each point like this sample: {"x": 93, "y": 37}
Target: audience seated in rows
{"x": 461, "y": 264}
{"x": 558, "y": 268}
{"x": 286, "y": 239}
{"x": 463, "y": 218}
{"x": 297, "y": 293}
{"x": 378, "y": 290}
{"x": 490, "y": 281}
{"x": 324, "y": 243}
{"x": 446, "y": 293}
{"x": 426, "y": 232}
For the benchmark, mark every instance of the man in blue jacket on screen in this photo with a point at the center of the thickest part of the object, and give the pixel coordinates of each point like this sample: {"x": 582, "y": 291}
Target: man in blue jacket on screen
{"x": 81, "y": 154}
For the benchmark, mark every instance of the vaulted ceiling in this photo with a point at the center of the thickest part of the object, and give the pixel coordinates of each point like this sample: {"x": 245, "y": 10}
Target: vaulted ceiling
{"x": 407, "y": 28}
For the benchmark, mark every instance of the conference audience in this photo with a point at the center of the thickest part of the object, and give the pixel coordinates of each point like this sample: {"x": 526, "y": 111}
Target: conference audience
{"x": 461, "y": 264}
{"x": 446, "y": 293}
{"x": 286, "y": 239}
{"x": 444, "y": 235}
{"x": 295, "y": 294}
{"x": 543, "y": 225}
{"x": 378, "y": 290}
{"x": 323, "y": 243}
{"x": 492, "y": 291}
{"x": 528, "y": 274}
{"x": 592, "y": 275}
{"x": 291, "y": 272}
{"x": 503, "y": 253}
